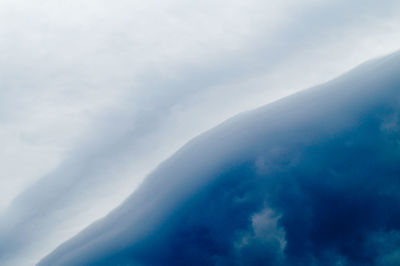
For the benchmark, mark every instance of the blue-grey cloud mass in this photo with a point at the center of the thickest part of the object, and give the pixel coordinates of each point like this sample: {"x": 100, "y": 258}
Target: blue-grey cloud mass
{"x": 312, "y": 179}
{"x": 95, "y": 95}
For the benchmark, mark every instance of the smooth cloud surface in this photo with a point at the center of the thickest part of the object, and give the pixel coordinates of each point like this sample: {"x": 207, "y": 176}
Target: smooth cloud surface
{"x": 312, "y": 179}
{"x": 94, "y": 94}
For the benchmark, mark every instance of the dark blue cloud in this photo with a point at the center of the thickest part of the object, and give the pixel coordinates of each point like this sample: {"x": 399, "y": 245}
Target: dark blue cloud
{"x": 313, "y": 179}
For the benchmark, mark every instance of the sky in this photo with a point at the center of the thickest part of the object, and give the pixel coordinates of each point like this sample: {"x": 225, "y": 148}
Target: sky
{"x": 94, "y": 95}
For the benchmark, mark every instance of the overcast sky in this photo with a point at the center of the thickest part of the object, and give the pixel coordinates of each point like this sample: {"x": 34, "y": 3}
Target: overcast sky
{"x": 95, "y": 94}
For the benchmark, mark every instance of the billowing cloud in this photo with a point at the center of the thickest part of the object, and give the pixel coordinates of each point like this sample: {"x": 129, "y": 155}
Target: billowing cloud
{"x": 95, "y": 95}
{"x": 312, "y": 179}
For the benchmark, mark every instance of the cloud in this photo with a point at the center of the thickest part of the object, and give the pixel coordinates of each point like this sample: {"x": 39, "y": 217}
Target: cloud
{"x": 309, "y": 180}
{"x": 96, "y": 95}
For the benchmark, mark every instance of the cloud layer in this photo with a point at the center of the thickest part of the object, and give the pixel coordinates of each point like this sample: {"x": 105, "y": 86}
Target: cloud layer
{"x": 312, "y": 179}
{"x": 95, "y": 95}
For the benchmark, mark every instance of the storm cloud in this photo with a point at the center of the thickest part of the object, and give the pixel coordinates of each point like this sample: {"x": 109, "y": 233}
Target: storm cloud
{"x": 95, "y": 95}
{"x": 312, "y": 179}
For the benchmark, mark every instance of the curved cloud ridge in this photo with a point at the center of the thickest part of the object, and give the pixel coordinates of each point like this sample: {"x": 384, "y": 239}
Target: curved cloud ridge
{"x": 96, "y": 94}
{"x": 312, "y": 179}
